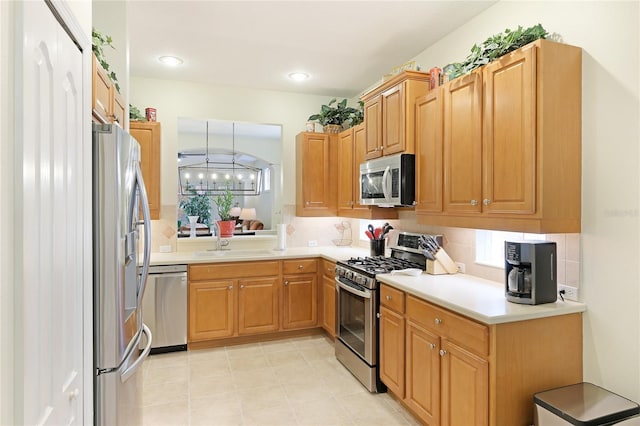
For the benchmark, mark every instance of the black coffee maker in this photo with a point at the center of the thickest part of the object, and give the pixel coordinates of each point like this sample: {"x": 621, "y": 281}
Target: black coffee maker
{"x": 530, "y": 272}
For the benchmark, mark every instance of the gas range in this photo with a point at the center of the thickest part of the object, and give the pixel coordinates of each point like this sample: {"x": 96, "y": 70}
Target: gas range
{"x": 358, "y": 307}
{"x": 404, "y": 254}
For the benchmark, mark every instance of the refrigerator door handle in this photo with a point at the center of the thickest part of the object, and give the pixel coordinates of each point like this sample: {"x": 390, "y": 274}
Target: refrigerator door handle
{"x": 129, "y": 371}
{"x": 147, "y": 234}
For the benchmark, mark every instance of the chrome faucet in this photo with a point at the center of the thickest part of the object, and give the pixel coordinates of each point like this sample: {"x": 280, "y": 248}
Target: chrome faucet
{"x": 219, "y": 241}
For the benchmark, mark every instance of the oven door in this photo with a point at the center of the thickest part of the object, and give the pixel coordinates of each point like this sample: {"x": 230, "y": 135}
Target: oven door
{"x": 356, "y": 310}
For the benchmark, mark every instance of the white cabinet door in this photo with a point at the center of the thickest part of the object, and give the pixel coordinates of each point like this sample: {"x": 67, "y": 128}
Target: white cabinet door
{"x": 49, "y": 212}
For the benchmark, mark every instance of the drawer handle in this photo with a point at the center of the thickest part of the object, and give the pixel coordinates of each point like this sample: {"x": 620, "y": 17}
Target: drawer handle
{"x": 432, "y": 346}
{"x": 443, "y": 352}
{"x": 438, "y": 321}
{"x": 300, "y": 266}
{"x": 388, "y": 297}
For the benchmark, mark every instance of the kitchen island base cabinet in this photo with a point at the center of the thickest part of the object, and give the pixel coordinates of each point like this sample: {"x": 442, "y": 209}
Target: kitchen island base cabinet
{"x": 461, "y": 372}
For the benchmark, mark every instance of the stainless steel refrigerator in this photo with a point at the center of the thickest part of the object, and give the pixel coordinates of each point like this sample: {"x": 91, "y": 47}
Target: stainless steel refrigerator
{"x": 119, "y": 278}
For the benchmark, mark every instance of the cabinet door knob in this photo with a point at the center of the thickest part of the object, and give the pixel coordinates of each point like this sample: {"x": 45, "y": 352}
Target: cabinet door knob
{"x": 443, "y": 352}
{"x": 286, "y": 283}
{"x": 230, "y": 287}
{"x": 432, "y": 346}
{"x": 486, "y": 202}
{"x": 438, "y": 321}
{"x": 241, "y": 285}
{"x": 388, "y": 297}
{"x": 474, "y": 202}
{"x": 300, "y": 266}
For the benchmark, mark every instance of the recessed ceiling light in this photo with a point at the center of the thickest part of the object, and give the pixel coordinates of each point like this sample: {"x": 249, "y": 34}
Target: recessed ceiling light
{"x": 172, "y": 61}
{"x": 298, "y": 76}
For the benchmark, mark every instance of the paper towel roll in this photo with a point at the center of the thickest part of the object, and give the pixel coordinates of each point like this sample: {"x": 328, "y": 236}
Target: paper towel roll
{"x": 282, "y": 237}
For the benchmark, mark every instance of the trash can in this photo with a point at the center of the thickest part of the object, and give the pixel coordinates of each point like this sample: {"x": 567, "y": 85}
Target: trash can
{"x": 582, "y": 404}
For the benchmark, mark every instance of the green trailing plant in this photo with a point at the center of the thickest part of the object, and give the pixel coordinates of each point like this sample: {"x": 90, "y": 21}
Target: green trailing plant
{"x": 197, "y": 205}
{"x": 224, "y": 202}
{"x": 135, "y": 114}
{"x": 357, "y": 116}
{"x": 99, "y": 41}
{"x": 334, "y": 114}
{"x": 497, "y": 46}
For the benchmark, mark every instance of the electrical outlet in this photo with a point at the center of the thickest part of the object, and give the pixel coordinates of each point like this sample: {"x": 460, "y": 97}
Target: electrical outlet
{"x": 570, "y": 293}
{"x": 461, "y": 267}
{"x": 313, "y": 243}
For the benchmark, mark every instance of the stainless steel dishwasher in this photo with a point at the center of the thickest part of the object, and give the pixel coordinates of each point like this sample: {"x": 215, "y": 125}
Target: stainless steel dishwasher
{"x": 164, "y": 307}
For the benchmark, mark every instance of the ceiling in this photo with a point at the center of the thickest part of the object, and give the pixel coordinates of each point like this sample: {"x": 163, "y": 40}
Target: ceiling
{"x": 345, "y": 46}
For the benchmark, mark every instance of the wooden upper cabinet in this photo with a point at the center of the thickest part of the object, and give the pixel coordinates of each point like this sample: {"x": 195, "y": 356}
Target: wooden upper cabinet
{"x": 316, "y": 162}
{"x": 148, "y": 136}
{"x": 107, "y": 104}
{"x": 510, "y": 134}
{"x": 463, "y": 144}
{"x": 512, "y": 144}
{"x": 351, "y": 153}
{"x": 373, "y": 127}
{"x": 101, "y": 93}
{"x": 346, "y": 171}
{"x": 429, "y": 152}
{"x": 393, "y": 117}
{"x": 389, "y": 113}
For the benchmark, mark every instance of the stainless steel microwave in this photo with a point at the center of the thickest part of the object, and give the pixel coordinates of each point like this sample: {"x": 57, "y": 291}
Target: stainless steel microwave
{"x": 388, "y": 181}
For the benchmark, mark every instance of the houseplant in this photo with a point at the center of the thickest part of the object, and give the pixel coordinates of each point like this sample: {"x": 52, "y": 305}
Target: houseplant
{"x": 224, "y": 202}
{"x": 99, "y": 41}
{"x": 332, "y": 117}
{"x": 197, "y": 207}
{"x": 496, "y": 46}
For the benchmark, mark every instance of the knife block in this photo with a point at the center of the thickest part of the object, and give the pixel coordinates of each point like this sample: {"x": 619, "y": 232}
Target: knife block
{"x": 435, "y": 268}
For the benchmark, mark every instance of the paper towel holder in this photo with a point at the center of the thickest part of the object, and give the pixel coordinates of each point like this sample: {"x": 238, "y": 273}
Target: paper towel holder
{"x": 281, "y": 243}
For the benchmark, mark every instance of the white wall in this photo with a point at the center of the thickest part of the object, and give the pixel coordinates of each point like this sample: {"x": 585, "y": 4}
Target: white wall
{"x": 608, "y": 33}
{"x": 6, "y": 212}
{"x": 174, "y": 99}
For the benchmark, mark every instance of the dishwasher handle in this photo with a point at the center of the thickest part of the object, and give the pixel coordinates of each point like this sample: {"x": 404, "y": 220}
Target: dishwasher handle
{"x": 169, "y": 275}
{"x": 166, "y": 269}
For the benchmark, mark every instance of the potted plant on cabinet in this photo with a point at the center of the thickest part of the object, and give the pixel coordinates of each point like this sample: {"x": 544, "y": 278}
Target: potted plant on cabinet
{"x": 226, "y": 224}
{"x": 333, "y": 117}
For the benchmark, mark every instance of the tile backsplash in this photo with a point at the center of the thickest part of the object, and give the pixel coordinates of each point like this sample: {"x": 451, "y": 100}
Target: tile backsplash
{"x": 460, "y": 243}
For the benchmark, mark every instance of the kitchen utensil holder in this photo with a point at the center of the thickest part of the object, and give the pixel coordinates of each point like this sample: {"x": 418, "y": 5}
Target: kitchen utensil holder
{"x": 377, "y": 247}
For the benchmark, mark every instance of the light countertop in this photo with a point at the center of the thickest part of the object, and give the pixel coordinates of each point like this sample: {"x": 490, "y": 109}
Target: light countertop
{"x": 474, "y": 297}
{"x": 240, "y": 255}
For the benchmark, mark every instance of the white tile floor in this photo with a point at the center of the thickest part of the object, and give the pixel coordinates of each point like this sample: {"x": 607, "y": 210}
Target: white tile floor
{"x": 287, "y": 382}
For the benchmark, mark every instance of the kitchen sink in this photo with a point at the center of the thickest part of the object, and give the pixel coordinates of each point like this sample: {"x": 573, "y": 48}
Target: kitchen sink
{"x": 233, "y": 253}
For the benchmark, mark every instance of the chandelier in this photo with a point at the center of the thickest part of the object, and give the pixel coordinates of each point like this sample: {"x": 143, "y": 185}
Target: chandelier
{"x": 215, "y": 177}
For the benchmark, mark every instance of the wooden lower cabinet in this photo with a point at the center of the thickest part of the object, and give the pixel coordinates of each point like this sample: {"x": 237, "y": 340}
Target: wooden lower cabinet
{"x": 450, "y": 370}
{"x": 230, "y": 300}
{"x": 464, "y": 387}
{"x": 422, "y": 393}
{"x": 328, "y": 299}
{"x": 212, "y": 309}
{"x": 258, "y": 308}
{"x": 300, "y": 301}
{"x": 392, "y": 350}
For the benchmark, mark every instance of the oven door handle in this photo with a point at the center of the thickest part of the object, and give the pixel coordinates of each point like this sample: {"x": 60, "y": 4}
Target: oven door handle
{"x": 365, "y": 294}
